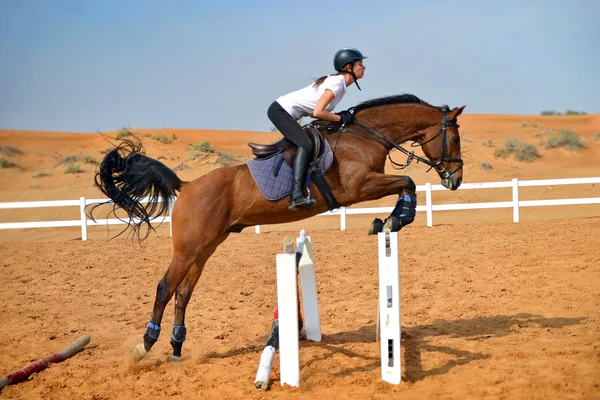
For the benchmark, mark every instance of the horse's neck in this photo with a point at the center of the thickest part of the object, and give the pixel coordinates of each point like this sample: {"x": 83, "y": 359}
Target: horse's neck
{"x": 401, "y": 125}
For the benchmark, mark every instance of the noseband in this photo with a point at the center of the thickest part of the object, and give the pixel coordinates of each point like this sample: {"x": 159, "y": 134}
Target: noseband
{"x": 440, "y": 165}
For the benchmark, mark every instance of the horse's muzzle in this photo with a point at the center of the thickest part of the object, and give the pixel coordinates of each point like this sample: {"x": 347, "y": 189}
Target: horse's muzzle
{"x": 451, "y": 181}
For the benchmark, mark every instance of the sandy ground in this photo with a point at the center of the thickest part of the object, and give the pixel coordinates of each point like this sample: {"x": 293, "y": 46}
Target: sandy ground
{"x": 496, "y": 310}
{"x": 490, "y": 309}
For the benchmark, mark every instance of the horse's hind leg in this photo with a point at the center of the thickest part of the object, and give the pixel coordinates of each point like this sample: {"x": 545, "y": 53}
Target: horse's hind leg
{"x": 166, "y": 287}
{"x": 183, "y": 295}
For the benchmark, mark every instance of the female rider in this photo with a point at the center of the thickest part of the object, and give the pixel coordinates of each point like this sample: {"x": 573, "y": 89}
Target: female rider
{"x": 318, "y": 101}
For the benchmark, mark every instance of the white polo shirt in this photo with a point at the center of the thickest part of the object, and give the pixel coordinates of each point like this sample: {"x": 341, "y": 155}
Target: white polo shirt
{"x": 302, "y": 103}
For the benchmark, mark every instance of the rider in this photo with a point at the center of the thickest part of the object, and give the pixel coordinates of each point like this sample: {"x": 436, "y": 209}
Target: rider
{"x": 316, "y": 100}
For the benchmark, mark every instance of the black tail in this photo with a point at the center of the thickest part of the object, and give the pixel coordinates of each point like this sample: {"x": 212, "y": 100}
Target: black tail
{"x": 126, "y": 176}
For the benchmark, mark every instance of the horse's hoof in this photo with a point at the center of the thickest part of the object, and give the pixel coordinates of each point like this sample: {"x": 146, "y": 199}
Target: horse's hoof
{"x": 393, "y": 224}
{"x": 174, "y": 358}
{"x": 376, "y": 227}
{"x": 302, "y": 334}
{"x": 139, "y": 352}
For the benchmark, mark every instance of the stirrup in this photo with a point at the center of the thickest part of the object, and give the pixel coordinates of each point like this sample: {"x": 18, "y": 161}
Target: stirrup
{"x": 301, "y": 202}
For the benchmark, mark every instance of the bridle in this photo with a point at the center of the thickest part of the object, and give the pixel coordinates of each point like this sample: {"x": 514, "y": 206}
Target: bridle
{"x": 440, "y": 165}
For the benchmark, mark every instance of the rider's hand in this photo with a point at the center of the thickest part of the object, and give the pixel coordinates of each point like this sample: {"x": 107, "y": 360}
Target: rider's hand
{"x": 346, "y": 117}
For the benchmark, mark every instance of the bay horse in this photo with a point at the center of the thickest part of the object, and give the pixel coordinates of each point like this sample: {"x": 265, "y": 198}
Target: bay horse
{"x": 211, "y": 207}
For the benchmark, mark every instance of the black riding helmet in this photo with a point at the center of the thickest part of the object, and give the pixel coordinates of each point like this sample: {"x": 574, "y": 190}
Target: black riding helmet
{"x": 345, "y": 56}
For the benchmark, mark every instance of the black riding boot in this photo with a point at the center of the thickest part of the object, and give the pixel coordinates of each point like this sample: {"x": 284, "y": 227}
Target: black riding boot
{"x": 298, "y": 200}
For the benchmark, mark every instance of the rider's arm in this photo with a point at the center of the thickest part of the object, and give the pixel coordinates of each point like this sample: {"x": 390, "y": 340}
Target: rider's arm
{"x": 320, "y": 111}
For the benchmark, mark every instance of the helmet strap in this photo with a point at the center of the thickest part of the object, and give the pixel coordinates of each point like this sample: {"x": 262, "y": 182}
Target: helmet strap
{"x": 356, "y": 80}
{"x": 353, "y": 75}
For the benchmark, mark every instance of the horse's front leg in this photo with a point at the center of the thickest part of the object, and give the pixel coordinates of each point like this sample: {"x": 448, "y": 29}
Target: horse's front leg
{"x": 377, "y": 186}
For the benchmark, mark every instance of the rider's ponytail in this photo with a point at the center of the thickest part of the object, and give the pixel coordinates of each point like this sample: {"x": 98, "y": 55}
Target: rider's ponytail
{"x": 322, "y": 79}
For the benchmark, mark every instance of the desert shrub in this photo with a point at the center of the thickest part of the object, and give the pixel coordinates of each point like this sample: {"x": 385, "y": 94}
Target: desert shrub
{"x": 203, "y": 146}
{"x": 486, "y": 165}
{"x": 525, "y": 124}
{"x": 489, "y": 143}
{"x": 181, "y": 167}
{"x": 74, "y": 169}
{"x": 123, "y": 133}
{"x": 4, "y": 163}
{"x": 597, "y": 137}
{"x": 226, "y": 160}
{"x": 464, "y": 137}
{"x": 521, "y": 150}
{"x": 174, "y": 137}
{"x": 67, "y": 160}
{"x": 527, "y": 153}
{"x": 40, "y": 174}
{"x": 564, "y": 138}
{"x": 161, "y": 137}
{"x": 88, "y": 158}
{"x": 10, "y": 150}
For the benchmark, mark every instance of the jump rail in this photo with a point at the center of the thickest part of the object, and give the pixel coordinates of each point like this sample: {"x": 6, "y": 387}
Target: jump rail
{"x": 428, "y": 207}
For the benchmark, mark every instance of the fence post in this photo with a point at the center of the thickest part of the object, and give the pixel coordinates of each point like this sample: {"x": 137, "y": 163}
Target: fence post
{"x": 343, "y": 219}
{"x": 83, "y": 218}
{"x": 429, "y": 204}
{"x": 171, "y": 215}
{"x": 515, "y": 199}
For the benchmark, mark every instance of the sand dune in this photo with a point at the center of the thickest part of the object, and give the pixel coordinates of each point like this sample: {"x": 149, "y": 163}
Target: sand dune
{"x": 42, "y": 175}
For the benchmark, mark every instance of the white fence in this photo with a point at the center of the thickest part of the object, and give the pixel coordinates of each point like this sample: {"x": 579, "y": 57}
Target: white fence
{"x": 428, "y": 207}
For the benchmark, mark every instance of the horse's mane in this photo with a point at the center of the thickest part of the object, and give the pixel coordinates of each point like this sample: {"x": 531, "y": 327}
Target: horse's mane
{"x": 396, "y": 99}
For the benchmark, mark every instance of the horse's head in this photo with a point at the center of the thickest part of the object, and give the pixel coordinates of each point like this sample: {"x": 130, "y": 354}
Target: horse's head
{"x": 441, "y": 145}
{"x": 394, "y": 120}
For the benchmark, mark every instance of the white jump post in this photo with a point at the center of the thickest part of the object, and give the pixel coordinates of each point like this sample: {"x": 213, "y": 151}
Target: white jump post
{"x": 388, "y": 323}
{"x": 289, "y": 266}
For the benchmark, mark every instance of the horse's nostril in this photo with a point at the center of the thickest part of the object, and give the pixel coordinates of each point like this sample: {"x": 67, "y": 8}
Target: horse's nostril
{"x": 458, "y": 182}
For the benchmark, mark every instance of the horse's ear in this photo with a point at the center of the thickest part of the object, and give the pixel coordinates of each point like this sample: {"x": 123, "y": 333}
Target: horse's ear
{"x": 456, "y": 112}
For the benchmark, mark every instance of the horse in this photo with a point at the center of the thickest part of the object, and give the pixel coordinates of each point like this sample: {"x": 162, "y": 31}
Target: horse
{"x": 226, "y": 200}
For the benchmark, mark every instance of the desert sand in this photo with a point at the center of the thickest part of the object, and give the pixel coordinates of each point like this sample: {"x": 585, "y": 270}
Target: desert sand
{"x": 490, "y": 308}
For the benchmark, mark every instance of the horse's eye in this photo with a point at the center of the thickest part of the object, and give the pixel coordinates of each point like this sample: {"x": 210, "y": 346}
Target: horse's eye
{"x": 455, "y": 139}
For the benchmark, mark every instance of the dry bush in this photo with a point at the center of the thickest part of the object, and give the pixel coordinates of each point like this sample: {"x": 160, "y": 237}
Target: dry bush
{"x": 67, "y": 160}
{"x": 203, "y": 146}
{"x": 4, "y": 163}
{"x": 74, "y": 169}
{"x": 522, "y": 151}
{"x": 123, "y": 133}
{"x": 564, "y": 138}
{"x": 10, "y": 150}
{"x": 464, "y": 137}
{"x": 161, "y": 137}
{"x": 88, "y": 158}
{"x": 486, "y": 165}
{"x": 40, "y": 174}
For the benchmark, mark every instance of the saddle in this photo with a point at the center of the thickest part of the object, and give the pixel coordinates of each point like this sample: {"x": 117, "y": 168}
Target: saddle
{"x": 287, "y": 149}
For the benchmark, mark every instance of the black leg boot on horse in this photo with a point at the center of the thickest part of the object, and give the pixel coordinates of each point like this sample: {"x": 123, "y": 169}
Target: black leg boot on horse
{"x": 298, "y": 200}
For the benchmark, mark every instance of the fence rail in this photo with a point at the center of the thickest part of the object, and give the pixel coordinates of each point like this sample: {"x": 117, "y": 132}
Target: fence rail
{"x": 84, "y": 222}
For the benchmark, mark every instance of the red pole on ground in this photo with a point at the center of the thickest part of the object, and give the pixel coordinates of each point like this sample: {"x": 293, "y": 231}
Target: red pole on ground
{"x": 39, "y": 365}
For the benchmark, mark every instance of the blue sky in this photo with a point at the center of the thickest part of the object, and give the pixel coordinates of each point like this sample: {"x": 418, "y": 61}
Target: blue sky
{"x": 92, "y": 65}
